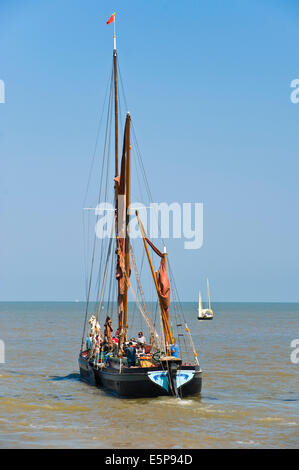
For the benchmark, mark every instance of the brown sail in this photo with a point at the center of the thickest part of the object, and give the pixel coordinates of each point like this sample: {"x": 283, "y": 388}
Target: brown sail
{"x": 163, "y": 280}
{"x": 162, "y": 284}
{"x": 123, "y": 269}
{"x": 108, "y": 332}
{"x": 164, "y": 287}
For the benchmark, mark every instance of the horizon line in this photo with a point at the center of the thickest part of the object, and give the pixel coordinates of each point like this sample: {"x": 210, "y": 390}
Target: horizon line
{"x": 154, "y": 301}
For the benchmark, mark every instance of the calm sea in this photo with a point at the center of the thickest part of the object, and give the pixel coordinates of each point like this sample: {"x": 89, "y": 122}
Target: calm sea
{"x": 250, "y": 393}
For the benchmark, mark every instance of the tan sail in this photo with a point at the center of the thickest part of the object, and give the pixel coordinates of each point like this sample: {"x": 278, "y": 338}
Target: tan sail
{"x": 123, "y": 259}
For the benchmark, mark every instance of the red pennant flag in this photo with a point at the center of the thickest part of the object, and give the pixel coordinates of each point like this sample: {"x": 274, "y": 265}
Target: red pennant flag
{"x": 111, "y": 19}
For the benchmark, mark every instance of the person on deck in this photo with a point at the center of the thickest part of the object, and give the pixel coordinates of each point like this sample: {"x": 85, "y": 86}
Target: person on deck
{"x": 174, "y": 349}
{"x": 89, "y": 341}
{"x": 92, "y": 349}
{"x": 107, "y": 357}
{"x": 141, "y": 338}
{"x": 130, "y": 352}
{"x": 140, "y": 349}
{"x": 134, "y": 342}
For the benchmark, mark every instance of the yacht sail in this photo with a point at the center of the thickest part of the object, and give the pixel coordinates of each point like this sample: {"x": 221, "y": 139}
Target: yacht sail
{"x": 205, "y": 313}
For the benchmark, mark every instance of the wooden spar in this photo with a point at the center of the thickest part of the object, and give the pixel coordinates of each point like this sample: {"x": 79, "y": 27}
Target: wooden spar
{"x": 167, "y": 331}
{"x": 127, "y": 240}
{"x": 116, "y": 157}
{"x": 165, "y": 261}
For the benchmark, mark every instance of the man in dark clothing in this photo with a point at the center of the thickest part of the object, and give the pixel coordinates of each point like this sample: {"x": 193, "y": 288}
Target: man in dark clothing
{"x": 131, "y": 354}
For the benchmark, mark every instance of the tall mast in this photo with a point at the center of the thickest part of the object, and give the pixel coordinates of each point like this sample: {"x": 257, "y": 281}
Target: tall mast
{"x": 116, "y": 122}
{"x": 116, "y": 186}
{"x": 127, "y": 240}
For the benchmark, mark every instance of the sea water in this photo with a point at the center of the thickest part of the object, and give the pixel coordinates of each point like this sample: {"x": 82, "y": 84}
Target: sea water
{"x": 250, "y": 394}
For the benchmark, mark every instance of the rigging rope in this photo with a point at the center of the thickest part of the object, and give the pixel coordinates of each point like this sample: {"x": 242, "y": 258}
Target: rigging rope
{"x": 104, "y": 278}
{"x": 99, "y": 197}
{"x": 145, "y": 313}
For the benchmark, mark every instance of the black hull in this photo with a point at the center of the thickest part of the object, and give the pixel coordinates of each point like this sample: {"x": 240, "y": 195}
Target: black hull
{"x": 135, "y": 382}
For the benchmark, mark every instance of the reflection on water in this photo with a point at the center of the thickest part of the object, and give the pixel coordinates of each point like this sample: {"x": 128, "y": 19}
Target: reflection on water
{"x": 66, "y": 377}
{"x": 249, "y": 397}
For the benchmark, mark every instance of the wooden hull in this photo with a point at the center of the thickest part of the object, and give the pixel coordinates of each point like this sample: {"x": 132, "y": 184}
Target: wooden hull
{"x": 137, "y": 382}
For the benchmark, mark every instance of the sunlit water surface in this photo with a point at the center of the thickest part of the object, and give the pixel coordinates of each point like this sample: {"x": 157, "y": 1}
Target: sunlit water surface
{"x": 250, "y": 395}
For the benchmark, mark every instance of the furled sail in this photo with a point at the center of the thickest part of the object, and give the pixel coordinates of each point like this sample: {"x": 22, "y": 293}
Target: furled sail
{"x": 121, "y": 275}
{"x": 164, "y": 287}
{"x": 163, "y": 281}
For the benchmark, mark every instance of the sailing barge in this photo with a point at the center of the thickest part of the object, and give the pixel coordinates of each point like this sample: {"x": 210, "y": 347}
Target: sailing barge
{"x": 158, "y": 370}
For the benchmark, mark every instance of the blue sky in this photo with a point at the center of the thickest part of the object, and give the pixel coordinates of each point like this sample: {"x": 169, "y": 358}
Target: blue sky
{"x": 208, "y": 86}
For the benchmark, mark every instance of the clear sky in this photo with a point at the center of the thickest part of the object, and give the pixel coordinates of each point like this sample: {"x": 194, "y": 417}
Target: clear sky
{"x": 208, "y": 85}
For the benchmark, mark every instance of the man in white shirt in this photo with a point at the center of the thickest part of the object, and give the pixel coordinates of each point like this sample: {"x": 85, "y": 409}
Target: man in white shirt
{"x": 141, "y": 338}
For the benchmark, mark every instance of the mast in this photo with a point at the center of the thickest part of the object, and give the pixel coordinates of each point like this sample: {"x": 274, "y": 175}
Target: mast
{"x": 208, "y": 286}
{"x": 116, "y": 124}
{"x": 116, "y": 186}
{"x": 127, "y": 240}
